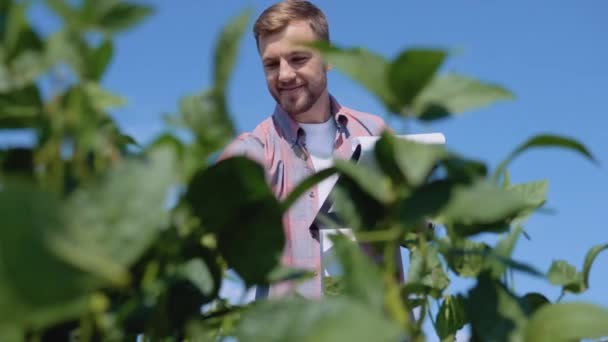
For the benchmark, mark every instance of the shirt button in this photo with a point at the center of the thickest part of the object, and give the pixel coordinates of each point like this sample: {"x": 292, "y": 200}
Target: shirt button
{"x": 311, "y": 194}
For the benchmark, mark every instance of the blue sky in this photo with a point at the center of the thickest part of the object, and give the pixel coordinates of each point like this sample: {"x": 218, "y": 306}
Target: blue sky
{"x": 552, "y": 55}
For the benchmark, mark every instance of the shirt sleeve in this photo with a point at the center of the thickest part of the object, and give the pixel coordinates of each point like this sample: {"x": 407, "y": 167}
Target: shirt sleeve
{"x": 246, "y": 145}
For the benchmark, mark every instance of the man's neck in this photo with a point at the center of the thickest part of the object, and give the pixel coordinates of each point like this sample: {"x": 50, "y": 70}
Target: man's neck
{"x": 318, "y": 113}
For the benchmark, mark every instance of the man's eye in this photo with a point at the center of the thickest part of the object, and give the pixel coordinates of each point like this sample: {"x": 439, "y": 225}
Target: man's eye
{"x": 299, "y": 59}
{"x": 271, "y": 65}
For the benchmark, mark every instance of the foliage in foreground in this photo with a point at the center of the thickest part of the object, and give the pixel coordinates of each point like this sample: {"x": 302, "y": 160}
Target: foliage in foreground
{"x": 103, "y": 239}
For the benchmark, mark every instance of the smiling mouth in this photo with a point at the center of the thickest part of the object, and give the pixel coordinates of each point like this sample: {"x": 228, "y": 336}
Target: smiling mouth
{"x": 286, "y": 90}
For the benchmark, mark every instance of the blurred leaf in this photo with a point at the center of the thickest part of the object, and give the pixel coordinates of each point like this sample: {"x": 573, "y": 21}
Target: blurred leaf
{"x": 168, "y": 140}
{"x": 364, "y": 67}
{"x": 495, "y": 314}
{"x": 207, "y": 117}
{"x": 535, "y": 193}
{"x": 347, "y": 209}
{"x": 452, "y": 94}
{"x": 69, "y": 48}
{"x": 122, "y": 16}
{"x": 471, "y": 261}
{"x": 427, "y": 269}
{"x": 283, "y": 273}
{"x": 462, "y": 170}
{"x": 196, "y": 271}
{"x": 20, "y": 108}
{"x": 504, "y": 249}
{"x": 61, "y": 7}
{"x": 589, "y": 259}
{"x": 369, "y": 181}
{"x": 233, "y": 200}
{"x": 414, "y": 160}
{"x": 451, "y": 317}
{"x": 100, "y": 98}
{"x": 31, "y": 217}
{"x": 411, "y": 71}
{"x": 534, "y": 301}
{"x": 567, "y": 322}
{"x": 226, "y": 49}
{"x": 99, "y": 59}
{"x": 333, "y": 319}
{"x": 543, "y": 140}
{"x": 333, "y": 286}
{"x": 566, "y": 275}
{"x": 362, "y": 280}
{"x": 360, "y": 195}
{"x": 425, "y": 201}
{"x": 481, "y": 207}
{"x": 18, "y": 34}
{"x": 122, "y": 214}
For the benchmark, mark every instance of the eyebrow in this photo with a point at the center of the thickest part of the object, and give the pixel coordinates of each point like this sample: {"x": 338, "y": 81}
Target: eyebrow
{"x": 291, "y": 54}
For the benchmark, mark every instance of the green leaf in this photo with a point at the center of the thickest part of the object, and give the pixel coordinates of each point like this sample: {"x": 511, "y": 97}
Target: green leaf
{"x": 544, "y": 140}
{"x": 101, "y": 99}
{"x": 452, "y": 94}
{"x": 122, "y": 213}
{"x": 362, "y": 280}
{"x": 67, "y": 47}
{"x": 467, "y": 258}
{"x": 481, "y": 207}
{"x": 298, "y": 320}
{"x": 589, "y": 259}
{"x": 368, "y": 180}
{"x": 504, "y": 249}
{"x": 364, "y": 67}
{"x": 333, "y": 286}
{"x": 64, "y": 10}
{"x": 284, "y": 273}
{"x": 123, "y": 16}
{"x": 427, "y": 269}
{"x": 360, "y": 195}
{"x": 20, "y": 108}
{"x": 567, "y": 322}
{"x": 425, "y": 201}
{"x": 249, "y": 226}
{"x": 451, "y": 317}
{"x": 566, "y": 275}
{"x": 534, "y": 301}
{"x": 196, "y": 271}
{"x": 411, "y": 71}
{"x": 206, "y": 115}
{"x": 99, "y": 59}
{"x": 226, "y": 49}
{"x": 30, "y": 217}
{"x": 414, "y": 160}
{"x": 535, "y": 193}
{"x": 495, "y": 313}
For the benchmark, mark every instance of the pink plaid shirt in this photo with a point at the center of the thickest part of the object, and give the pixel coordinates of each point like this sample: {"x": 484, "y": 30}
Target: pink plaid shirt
{"x": 279, "y": 145}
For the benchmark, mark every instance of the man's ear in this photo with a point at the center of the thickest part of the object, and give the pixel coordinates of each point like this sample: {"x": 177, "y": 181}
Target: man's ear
{"x": 328, "y": 67}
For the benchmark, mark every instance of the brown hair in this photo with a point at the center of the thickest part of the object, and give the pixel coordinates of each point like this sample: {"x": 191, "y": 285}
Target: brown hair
{"x": 276, "y": 17}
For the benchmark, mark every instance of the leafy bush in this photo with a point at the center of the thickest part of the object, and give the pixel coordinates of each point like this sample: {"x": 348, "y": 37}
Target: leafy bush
{"x": 103, "y": 239}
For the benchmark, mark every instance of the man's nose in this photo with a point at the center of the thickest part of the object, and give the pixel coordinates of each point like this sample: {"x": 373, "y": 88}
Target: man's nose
{"x": 286, "y": 72}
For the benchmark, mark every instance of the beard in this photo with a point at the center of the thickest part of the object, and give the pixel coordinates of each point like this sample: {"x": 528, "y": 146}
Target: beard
{"x": 299, "y": 100}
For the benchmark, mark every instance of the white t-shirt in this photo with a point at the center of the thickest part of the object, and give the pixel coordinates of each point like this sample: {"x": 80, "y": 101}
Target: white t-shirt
{"x": 320, "y": 139}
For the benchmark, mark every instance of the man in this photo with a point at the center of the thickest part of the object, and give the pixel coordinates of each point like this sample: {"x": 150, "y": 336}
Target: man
{"x": 306, "y": 131}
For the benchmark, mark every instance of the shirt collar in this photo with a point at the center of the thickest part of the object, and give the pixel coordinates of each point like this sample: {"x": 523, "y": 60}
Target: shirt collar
{"x": 292, "y": 129}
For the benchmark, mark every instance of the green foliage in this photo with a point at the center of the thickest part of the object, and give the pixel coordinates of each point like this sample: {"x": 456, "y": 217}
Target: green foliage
{"x": 567, "y": 322}
{"x": 137, "y": 241}
{"x": 333, "y": 319}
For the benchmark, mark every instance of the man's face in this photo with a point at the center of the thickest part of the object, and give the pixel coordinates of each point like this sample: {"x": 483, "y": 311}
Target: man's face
{"x": 295, "y": 75}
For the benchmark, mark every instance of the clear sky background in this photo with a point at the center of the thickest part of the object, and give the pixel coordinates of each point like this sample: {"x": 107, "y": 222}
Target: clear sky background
{"x": 552, "y": 54}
